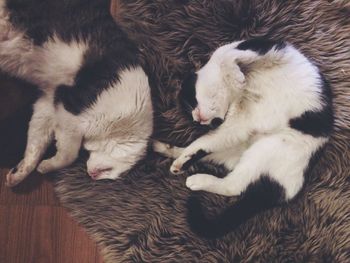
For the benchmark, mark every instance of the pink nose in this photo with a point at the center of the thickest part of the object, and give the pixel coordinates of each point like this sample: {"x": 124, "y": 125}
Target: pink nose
{"x": 199, "y": 116}
{"x": 96, "y": 172}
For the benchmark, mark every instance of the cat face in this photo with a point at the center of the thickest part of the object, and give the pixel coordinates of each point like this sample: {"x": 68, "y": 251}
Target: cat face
{"x": 111, "y": 157}
{"x": 212, "y": 94}
{"x": 102, "y": 165}
{"x": 212, "y": 90}
{"x": 206, "y": 95}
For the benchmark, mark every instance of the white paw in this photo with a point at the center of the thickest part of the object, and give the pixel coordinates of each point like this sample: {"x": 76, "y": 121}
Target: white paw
{"x": 16, "y": 175}
{"x": 12, "y": 179}
{"x": 161, "y": 147}
{"x": 199, "y": 182}
{"x": 177, "y": 166}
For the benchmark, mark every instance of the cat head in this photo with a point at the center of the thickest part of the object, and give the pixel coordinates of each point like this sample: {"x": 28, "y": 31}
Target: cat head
{"x": 103, "y": 166}
{"x": 210, "y": 91}
{"x": 109, "y": 159}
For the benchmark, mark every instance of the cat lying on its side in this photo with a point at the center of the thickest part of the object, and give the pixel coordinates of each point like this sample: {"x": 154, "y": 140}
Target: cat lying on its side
{"x": 94, "y": 91}
{"x": 276, "y": 113}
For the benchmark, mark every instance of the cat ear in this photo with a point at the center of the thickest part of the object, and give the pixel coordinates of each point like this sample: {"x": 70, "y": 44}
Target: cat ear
{"x": 233, "y": 75}
{"x": 242, "y": 56}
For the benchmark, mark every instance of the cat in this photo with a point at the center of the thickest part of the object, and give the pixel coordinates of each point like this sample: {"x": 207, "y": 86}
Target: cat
{"x": 94, "y": 91}
{"x": 271, "y": 110}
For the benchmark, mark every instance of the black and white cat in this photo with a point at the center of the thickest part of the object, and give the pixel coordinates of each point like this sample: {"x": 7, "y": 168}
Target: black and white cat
{"x": 94, "y": 91}
{"x": 276, "y": 113}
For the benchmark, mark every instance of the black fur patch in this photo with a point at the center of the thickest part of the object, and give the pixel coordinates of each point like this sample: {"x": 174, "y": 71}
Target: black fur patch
{"x": 92, "y": 79}
{"x": 109, "y": 49}
{"x": 194, "y": 158}
{"x": 66, "y": 93}
{"x": 317, "y": 123}
{"x": 259, "y": 196}
{"x": 261, "y": 45}
{"x": 66, "y": 19}
{"x": 98, "y": 72}
{"x": 216, "y": 122}
{"x": 187, "y": 94}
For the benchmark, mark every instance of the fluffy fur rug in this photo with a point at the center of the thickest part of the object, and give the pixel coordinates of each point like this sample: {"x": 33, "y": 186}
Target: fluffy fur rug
{"x": 142, "y": 217}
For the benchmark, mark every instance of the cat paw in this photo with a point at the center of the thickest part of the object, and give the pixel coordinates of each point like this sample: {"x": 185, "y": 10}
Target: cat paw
{"x": 177, "y": 165}
{"x": 15, "y": 176}
{"x": 199, "y": 182}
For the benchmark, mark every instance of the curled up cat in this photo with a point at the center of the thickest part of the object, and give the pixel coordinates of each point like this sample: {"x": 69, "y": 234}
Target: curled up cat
{"x": 94, "y": 92}
{"x": 273, "y": 112}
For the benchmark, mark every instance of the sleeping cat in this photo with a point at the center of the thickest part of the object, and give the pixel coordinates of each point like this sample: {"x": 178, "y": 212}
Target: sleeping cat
{"x": 94, "y": 91}
{"x": 276, "y": 113}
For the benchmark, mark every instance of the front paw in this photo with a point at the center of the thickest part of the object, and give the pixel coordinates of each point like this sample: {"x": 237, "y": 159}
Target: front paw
{"x": 11, "y": 179}
{"x": 177, "y": 166}
{"x": 15, "y": 176}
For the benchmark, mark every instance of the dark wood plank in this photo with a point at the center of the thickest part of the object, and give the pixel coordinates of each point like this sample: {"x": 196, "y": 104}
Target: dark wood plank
{"x": 35, "y": 190}
{"x": 83, "y": 248}
{"x": 43, "y": 234}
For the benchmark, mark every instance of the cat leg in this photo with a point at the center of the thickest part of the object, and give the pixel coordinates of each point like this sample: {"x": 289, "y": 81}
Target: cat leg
{"x": 226, "y": 137}
{"x": 275, "y": 156}
{"x": 167, "y": 149}
{"x": 40, "y": 135}
{"x": 231, "y": 185}
{"x": 228, "y": 158}
{"x": 269, "y": 173}
{"x": 68, "y": 145}
{"x": 210, "y": 183}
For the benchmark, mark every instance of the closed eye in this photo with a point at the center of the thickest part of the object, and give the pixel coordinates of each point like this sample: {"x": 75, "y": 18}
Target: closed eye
{"x": 105, "y": 170}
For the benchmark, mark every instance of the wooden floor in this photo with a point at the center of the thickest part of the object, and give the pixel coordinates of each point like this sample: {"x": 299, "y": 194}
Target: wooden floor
{"x": 34, "y": 228}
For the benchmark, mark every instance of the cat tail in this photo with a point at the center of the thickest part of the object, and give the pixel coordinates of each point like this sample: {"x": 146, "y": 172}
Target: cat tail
{"x": 261, "y": 195}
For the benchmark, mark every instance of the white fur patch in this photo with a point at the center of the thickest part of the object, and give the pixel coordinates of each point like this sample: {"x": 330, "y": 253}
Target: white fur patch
{"x": 58, "y": 62}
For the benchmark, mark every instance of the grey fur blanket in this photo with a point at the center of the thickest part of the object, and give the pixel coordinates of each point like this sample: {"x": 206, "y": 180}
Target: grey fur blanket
{"x": 142, "y": 217}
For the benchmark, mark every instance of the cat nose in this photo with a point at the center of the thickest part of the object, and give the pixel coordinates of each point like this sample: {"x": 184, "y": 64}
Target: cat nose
{"x": 199, "y": 117}
{"x": 96, "y": 172}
